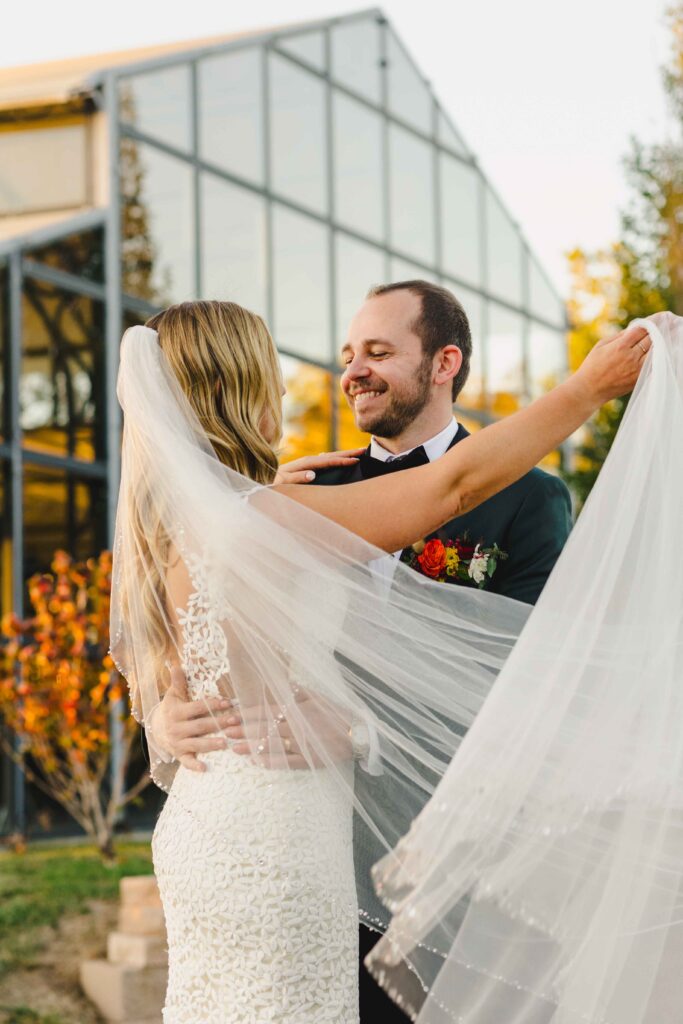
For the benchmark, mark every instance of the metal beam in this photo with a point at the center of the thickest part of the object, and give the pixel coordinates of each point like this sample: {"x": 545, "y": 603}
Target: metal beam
{"x": 16, "y": 495}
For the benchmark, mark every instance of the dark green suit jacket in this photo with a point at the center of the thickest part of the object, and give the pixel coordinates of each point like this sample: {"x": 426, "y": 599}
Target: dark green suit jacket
{"x": 530, "y": 520}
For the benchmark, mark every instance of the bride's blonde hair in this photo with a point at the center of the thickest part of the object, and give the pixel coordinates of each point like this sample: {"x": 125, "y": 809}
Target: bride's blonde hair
{"x": 226, "y": 363}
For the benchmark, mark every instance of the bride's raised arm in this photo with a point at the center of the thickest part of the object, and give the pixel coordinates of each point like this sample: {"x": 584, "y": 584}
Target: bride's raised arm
{"x": 418, "y": 501}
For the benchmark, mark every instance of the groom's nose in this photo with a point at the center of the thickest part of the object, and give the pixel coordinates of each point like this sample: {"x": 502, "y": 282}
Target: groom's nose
{"x": 357, "y": 369}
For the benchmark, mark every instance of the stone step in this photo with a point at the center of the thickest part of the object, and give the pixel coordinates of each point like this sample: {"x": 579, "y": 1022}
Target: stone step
{"x": 125, "y": 994}
{"x": 137, "y": 950}
{"x": 142, "y": 920}
{"x": 139, "y": 891}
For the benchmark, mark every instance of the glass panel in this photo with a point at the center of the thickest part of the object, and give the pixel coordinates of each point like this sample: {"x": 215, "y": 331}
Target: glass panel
{"x": 358, "y": 159}
{"x": 131, "y": 318}
{"x": 81, "y": 255}
{"x": 348, "y": 434}
{"x": 301, "y": 285}
{"x": 471, "y": 425}
{"x": 543, "y": 299}
{"x": 43, "y": 167}
{"x": 159, "y": 103}
{"x": 62, "y": 373}
{"x": 230, "y": 90}
{"x": 473, "y": 395}
{"x": 448, "y": 136}
{"x": 4, "y": 350}
{"x": 505, "y": 360}
{"x": 297, "y": 119}
{"x": 61, "y": 511}
{"x": 411, "y": 194}
{"x": 403, "y": 270}
{"x": 409, "y": 95}
{"x": 307, "y": 409}
{"x": 358, "y": 268}
{"x": 547, "y": 358}
{"x": 460, "y": 219}
{"x": 308, "y": 47}
{"x": 356, "y": 57}
{"x": 233, "y": 244}
{"x": 504, "y": 252}
{"x": 157, "y": 224}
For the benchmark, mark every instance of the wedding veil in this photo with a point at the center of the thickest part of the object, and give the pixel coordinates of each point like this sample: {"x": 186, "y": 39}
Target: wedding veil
{"x": 548, "y": 867}
{"x": 286, "y": 613}
{"x": 541, "y": 884}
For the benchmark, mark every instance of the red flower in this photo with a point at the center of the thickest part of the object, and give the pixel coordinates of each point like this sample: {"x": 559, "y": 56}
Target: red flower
{"x": 433, "y": 559}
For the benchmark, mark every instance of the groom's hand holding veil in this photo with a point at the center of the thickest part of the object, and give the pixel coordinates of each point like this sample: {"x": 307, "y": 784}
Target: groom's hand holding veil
{"x": 186, "y": 728}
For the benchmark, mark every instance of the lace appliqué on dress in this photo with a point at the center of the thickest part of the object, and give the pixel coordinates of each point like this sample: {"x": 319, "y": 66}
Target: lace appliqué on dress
{"x": 205, "y": 657}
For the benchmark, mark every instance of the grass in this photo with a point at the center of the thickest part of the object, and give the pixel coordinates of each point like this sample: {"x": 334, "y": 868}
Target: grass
{"x": 23, "y": 1015}
{"x": 38, "y": 887}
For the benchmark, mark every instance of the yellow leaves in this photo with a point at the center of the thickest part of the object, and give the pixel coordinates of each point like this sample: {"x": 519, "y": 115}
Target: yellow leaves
{"x": 593, "y": 301}
{"x": 57, "y": 679}
{"x": 61, "y": 562}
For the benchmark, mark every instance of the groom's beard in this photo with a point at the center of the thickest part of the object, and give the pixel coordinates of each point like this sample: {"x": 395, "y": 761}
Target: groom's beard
{"x": 402, "y": 406}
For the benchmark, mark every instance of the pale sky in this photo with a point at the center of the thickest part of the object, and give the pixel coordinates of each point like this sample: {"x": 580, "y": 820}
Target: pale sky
{"x": 545, "y": 92}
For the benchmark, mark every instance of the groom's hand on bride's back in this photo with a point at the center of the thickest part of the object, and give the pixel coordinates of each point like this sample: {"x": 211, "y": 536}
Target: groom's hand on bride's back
{"x": 184, "y": 727}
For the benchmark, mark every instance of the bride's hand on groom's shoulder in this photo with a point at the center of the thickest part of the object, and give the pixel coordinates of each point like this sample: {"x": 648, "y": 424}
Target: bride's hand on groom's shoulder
{"x": 303, "y": 470}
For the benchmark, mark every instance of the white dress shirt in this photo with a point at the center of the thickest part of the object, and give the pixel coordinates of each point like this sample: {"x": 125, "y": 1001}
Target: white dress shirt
{"x": 435, "y": 447}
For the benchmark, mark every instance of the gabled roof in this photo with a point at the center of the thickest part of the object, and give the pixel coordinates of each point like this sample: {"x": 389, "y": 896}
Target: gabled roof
{"x": 61, "y": 82}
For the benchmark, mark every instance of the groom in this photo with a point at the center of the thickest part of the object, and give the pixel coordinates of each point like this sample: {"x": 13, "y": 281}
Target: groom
{"x": 406, "y": 360}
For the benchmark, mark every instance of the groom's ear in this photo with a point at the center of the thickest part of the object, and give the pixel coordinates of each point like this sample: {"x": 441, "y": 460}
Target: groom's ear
{"x": 447, "y": 363}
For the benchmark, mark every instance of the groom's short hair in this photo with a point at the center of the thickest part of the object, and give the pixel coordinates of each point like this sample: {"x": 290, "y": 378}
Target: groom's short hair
{"x": 442, "y": 321}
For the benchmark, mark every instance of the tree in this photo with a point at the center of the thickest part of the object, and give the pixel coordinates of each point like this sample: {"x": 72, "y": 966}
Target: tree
{"x": 60, "y": 693}
{"x": 643, "y": 272}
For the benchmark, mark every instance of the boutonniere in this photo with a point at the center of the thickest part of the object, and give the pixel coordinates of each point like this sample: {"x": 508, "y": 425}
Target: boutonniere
{"x": 454, "y": 561}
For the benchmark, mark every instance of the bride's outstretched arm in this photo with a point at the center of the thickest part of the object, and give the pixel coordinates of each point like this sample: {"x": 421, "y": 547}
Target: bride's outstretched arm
{"x": 395, "y": 510}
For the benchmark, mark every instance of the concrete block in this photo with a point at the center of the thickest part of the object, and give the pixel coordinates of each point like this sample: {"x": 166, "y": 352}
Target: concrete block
{"x": 122, "y": 993}
{"x": 139, "y": 891}
{"x": 137, "y": 950}
{"x": 142, "y": 920}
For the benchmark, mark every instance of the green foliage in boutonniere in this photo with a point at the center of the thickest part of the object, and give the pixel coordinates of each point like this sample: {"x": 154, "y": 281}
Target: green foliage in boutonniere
{"x": 455, "y": 561}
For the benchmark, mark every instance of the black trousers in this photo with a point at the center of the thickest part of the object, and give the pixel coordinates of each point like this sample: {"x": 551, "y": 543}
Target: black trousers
{"x": 375, "y": 1006}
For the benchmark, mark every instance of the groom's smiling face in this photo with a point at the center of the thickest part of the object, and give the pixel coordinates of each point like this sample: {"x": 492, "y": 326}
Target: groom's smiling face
{"x": 387, "y": 378}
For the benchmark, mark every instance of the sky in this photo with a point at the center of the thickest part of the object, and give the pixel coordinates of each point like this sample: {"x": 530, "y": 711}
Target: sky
{"x": 546, "y": 93}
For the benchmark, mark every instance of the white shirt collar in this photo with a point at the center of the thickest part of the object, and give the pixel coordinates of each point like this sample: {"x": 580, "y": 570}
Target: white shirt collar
{"x": 435, "y": 447}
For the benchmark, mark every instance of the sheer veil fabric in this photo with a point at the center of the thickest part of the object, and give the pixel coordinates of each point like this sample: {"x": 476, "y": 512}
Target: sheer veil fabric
{"x": 543, "y": 882}
{"x": 289, "y": 615}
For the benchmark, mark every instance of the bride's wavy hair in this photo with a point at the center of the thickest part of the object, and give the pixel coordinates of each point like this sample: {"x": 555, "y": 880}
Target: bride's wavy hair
{"x": 226, "y": 363}
{"x": 225, "y": 360}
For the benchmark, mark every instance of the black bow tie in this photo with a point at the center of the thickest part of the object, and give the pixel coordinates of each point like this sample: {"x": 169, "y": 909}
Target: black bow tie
{"x": 370, "y": 467}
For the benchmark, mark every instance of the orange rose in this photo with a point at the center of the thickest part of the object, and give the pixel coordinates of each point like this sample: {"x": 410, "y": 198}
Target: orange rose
{"x": 433, "y": 559}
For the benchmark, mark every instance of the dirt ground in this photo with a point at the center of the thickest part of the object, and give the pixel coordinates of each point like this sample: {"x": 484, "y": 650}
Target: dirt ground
{"x": 50, "y": 987}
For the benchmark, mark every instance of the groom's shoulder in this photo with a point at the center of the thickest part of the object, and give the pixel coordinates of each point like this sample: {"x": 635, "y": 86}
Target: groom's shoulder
{"x": 336, "y": 475}
{"x": 539, "y": 490}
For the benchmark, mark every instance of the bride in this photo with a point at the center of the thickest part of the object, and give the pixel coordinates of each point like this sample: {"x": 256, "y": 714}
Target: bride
{"x": 269, "y": 597}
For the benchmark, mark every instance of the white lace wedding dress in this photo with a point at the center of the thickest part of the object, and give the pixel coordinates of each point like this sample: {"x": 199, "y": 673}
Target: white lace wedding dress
{"x": 255, "y": 870}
